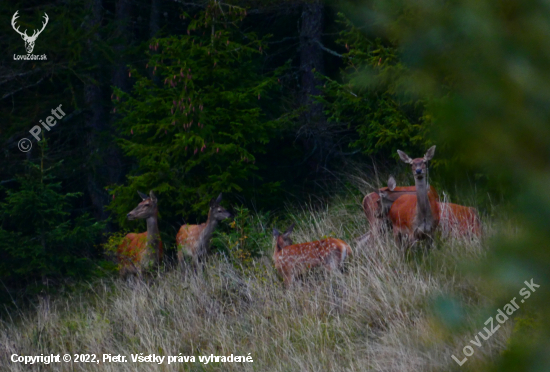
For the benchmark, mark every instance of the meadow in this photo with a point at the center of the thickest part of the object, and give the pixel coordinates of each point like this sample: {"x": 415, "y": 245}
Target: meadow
{"x": 388, "y": 310}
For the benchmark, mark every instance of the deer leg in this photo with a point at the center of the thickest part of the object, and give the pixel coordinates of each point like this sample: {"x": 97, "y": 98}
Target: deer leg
{"x": 195, "y": 264}
{"x": 288, "y": 278}
{"x": 332, "y": 260}
{"x": 180, "y": 256}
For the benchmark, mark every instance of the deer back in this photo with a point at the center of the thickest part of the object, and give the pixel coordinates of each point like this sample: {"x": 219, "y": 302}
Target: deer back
{"x": 459, "y": 220}
{"x": 296, "y": 258}
{"x": 371, "y": 206}
{"x": 376, "y": 206}
{"x": 189, "y": 239}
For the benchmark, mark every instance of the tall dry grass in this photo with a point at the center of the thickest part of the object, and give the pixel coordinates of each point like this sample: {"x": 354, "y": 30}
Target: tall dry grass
{"x": 380, "y": 314}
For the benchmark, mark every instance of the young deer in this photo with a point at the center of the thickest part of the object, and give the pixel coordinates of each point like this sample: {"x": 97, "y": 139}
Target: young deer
{"x": 194, "y": 240}
{"x": 294, "y": 259}
{"x": 139, "y": 251}
{"x": 415, "y": 216}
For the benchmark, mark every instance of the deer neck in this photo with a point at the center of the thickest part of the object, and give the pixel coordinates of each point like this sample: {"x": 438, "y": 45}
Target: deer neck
{"x": 153, "y": 235}
{"x": 206, "y": 234}
{"x": 277, "y": 248}
{"x": 423, "y": 209}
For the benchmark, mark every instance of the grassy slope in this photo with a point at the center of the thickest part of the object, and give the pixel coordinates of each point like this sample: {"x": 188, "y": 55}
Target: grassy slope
{"x": 378, "y": 315}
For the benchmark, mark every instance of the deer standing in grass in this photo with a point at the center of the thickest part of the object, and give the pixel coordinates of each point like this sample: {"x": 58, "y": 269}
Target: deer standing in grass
{"x": 377, "y": 208}
{"x": 140, "y": 251}
{"x": 415, "y": 217}
{"x": 194, "y": 240}
{"x": 294, "y": 259}
{"x": 454, "y": 220}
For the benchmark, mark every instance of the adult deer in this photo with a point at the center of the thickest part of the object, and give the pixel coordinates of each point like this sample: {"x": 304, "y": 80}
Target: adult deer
{"x": 140, "y": 251}
{"x": 194, "y": 240}
{"x": 294, "y": 259}
{"x": 454, "y": 220}
{"x": 376, "y": 207}
{"x": 29, "y": 40}
{"x": 415, "y": 216}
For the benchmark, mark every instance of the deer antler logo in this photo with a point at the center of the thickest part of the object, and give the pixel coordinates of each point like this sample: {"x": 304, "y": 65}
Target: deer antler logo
{"x": 29, "y": 40}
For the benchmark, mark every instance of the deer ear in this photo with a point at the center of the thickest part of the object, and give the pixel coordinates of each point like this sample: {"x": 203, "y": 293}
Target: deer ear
{"x": 391, "y": 183}
{"x": 213, "y": 203}
{"x": 219, "y": 199}
{"x": 404, "y": 157}
{"x": 430, "y": 153}
{"x": 152, "y": 196}
{"x": 276, "y": 233}
{"x": 289, "y": 230}
{"x": 142, "y": 195}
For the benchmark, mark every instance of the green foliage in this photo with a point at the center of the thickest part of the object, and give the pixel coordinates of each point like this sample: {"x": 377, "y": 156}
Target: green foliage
{"x": 39, "y": 237}
{"x": 371, "y": 99}
{"x": 493, "y": 54}
{"x": 194, "y": 120}
{"x": 110, "y": 249}
{"x": 243, "y": 239}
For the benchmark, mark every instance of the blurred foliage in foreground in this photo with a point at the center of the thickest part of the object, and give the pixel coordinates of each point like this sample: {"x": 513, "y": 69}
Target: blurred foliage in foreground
{"x": 371, "y": 97}
{"x": 493, "y": 56}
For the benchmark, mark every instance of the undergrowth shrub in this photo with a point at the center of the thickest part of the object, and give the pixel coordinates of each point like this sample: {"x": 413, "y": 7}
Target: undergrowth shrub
{"x": 243, "y": 239}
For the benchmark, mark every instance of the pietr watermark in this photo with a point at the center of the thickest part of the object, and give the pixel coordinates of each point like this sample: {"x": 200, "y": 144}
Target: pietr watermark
{"x": 501, "y": 317}
{"x": 25, "y": 144}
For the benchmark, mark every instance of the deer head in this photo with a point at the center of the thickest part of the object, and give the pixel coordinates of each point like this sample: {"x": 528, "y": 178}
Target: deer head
{"x": 146, "y": 209}
{"x": 385, "y": 202}
{"x": 217, "y": 212}
{"x": 419, "y": 165}
{"x": 29, "y": 40}
{"x": 283, "y": 240}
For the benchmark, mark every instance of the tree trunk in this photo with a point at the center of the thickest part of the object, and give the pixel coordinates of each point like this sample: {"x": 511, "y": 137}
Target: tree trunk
{"x": 94, "y": 117}
{"x": 104, "y": 164}
{"x": 313, "y": 130}
{"x": 123, "y": 10}
{"x": 154, "y": 21}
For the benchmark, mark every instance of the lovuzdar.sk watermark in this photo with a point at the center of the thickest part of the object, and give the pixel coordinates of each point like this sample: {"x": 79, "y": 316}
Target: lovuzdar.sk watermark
{"x": 29, "y": 40}
{"x": 501, "y": 318}
{"x": 25, "y": 144}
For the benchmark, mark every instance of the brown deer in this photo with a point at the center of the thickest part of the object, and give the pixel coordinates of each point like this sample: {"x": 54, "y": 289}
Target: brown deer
{"x": 415, "y": 216}
{"x": 459, "y": 221}
{"x": 392, "y": 192}
{"x": 454, "y": 220}
{"x": 377, "y": 208}
{"x": 194, "y": 240}
{"x": 294, "y": 259}
{"x": 140, "y": 251}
